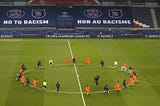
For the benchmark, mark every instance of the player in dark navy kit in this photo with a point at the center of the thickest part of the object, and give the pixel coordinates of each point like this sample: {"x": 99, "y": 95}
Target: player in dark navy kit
{"x": 102, "y": 63}
{"x": 58, "y": 86}
{"x": 124, "y": 83}
{"x": 74, "y": 60}
{"x": 23, "y": 67}
{"x": 106, "y": 88}
{"x": 39, "y": 64}
{"x": 96, "y": 78}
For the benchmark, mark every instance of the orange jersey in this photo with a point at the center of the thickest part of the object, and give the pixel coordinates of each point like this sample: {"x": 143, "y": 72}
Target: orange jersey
{"x": 135, "y": 78}
{"x": 67, "y": 61}
{"x": 132, "y": 72}
{"x": 88, "y": 61}
{"x": 130, "y": 81}
{"x": 23, "y": 79}
{"x": 125, "y": 65}
{"x": 35, "y": 83}
{"x": 21, "y": 71}
{"x": 117, "y": 86}
{"x": 87, "y": 89}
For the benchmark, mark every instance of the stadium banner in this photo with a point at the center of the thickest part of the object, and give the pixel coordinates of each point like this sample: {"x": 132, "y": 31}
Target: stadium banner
{"x": 27, "y": 16}
{"x": 78, "y": 16}
{"x": 80, "y": 34}
{"x": 97, "y": 16}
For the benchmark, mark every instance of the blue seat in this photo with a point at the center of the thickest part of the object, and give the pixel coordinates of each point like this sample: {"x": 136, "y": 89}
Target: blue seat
{"x": 157, "y": 11}
{"x": 137, "y": 1}
{"x": 142, "y": 14}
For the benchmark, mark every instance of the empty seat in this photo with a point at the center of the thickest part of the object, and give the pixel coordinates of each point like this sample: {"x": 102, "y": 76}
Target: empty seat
{"x": 34, "y": 1}
{"x": 157, "y": 11}
{"x": 142, "y": 15}
{"x": 70, "y": 1}
{"x": 137, "y": 1}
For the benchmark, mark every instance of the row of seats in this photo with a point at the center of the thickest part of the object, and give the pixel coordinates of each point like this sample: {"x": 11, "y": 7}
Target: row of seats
{"x": 54, "y": 1}
{"x": 133, "y": 1}
{"x": 157, "y": 11}
{"x": 142, "y": 17}
{"x": 70, "y": 1}
{"x": 83, "y": 1}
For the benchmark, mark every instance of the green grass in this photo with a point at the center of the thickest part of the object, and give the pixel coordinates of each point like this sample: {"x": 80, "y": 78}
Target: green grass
{"x": 141, "y": 53}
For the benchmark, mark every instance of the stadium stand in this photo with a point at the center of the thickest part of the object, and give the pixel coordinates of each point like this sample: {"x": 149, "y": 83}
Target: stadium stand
{"x": 141, "y": 14}
{"x": 142, "y": 17}
{"x": 114, "y": 0}
{"x": 34, "y": 1}
{"x": 6, "y": 0}
{"x": 157, "y": 12}
{"x": 137, "y": 1}
{"x": 11, "y": 1}
{"x": 70, "y": 1}
{"x": 151, "y": 0}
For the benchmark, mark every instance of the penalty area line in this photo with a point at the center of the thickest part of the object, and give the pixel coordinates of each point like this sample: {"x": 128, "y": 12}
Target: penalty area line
{"x": 75, "y": 68}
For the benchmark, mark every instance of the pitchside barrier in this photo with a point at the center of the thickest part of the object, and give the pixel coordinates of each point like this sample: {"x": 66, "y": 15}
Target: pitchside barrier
{"x": 80, "y": 34}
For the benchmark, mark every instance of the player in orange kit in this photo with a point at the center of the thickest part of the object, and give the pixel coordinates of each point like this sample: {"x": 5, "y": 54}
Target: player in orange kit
{"x": 130, "y": 81}
{"x": 135, "y": 78}
{"x": 88, "y": 60}
{"x": 35, "y": 83}
{"x": 117, "y": 86}
{"x": 67, "y": 61}
{"x": 23, "y": 79}
{"x": 87, "y": 89}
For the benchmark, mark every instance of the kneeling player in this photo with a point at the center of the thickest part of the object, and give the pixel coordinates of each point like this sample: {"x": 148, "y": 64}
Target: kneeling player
{"x": 50, "y": 62}
{"x": 102, "y": 63}
{"x": 87, "y": 89}
{"x": 115, "y": 64}
{"x": 39, "y": 64}
{"x": 106, "y": 88}
{"x": 58, "y": 86}
{"x": 124, "y": 83}
{"x": 117, "y": 86}
{"x": 130, "y": 81}
{"x": 35, "y": 83}
{"x": 44, "y": 84}
{"x": 74, "y": 60}
{"x": 124, "y": 67}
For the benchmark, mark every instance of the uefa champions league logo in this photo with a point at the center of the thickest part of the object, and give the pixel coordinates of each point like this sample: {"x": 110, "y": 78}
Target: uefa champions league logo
{"x": 15, "y": 13}
{"x": 92, "y": 13}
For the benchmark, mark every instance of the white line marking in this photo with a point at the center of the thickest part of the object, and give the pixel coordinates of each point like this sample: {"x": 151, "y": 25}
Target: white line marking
{"x": 75, "y": 68}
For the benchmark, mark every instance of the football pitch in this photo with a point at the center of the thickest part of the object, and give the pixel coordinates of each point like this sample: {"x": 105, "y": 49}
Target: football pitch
{"x": 142, "y": 54}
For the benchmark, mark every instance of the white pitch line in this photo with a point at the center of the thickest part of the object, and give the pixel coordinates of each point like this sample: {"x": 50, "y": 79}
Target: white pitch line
{"x": 75, "y": 68}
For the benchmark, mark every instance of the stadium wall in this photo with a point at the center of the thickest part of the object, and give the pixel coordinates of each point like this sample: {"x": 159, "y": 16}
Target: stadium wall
{"x": 80, "y": 34}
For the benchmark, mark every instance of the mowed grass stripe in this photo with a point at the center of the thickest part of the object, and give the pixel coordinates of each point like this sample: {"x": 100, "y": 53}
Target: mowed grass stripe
{"x": 58, "y": 50}
{"x": 9, "y": 58}
{"x": 91, "y": 49}
{"x": 143, "y": 93}
{"x": 109, "y": 51}
{"x": 28, "y": 54}
{"x": 142, "y": 54}
{"x": 151, "y": 49}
